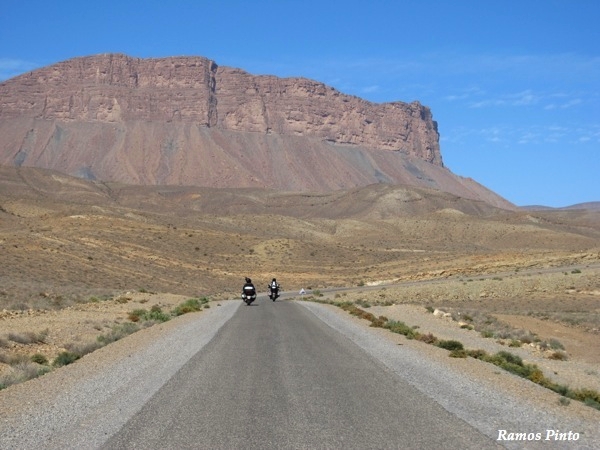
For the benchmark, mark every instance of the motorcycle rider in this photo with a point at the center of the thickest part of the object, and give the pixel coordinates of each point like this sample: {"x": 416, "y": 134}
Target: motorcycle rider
{"x": 248, "y": 291}
{"x": 274, "y": 288}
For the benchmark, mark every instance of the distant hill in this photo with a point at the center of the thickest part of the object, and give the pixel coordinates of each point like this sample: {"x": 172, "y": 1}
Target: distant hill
{"x": 378, "y": 201}
{"x": 188, "y": 121}
{"x": 592, "y": 206}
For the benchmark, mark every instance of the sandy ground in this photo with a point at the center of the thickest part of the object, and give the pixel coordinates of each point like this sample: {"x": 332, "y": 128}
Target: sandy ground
{"x": 75, "y": 264}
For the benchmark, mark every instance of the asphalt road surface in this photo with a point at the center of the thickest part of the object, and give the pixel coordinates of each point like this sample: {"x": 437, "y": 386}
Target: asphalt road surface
{"x": 275, "y": 376}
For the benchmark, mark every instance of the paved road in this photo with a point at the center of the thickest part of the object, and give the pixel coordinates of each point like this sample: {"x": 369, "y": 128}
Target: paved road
{"x": 275, "y": 376}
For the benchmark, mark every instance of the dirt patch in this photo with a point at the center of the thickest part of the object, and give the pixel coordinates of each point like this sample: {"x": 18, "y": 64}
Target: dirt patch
{"x": 581, "y": 345}
{"x": 78, "y": 329}
{"x": 455, "y": 309}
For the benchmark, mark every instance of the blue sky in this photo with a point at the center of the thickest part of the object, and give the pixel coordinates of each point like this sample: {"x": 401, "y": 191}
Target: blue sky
{"x": 514, "y": 85}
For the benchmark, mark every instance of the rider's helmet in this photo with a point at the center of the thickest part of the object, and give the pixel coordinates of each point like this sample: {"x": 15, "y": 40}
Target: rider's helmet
{"x": 274, "y": 280}
{"x": 248, "y": 280}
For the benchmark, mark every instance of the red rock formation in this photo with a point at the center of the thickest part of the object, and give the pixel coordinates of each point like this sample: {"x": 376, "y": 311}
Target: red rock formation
{"x": 117, "y": 88}
{"x": 185, "y": 120}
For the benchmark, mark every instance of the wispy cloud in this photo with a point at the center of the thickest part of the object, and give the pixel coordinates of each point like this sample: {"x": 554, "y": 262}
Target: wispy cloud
{"x": 508, "y": 135}
{"x": 527, "y": 98}
{"x": 565, "y": 105}
{"x": 370, "y": 89}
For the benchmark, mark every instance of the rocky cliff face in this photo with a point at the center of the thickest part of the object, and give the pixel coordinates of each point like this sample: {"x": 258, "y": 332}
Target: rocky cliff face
{"x": 116, "y": 88}
{"x": 187, "y": 121}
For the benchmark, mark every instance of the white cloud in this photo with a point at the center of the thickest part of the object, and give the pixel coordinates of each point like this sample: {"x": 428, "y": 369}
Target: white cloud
{"x": 571, "y": 103}
{"x": 370, "y": 89}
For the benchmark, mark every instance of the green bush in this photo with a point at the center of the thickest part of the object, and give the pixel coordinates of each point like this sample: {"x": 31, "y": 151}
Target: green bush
{"x": 154, "y": 315}
{"x": 458, "y": 353}
{"x": 450, "y": 345}
{"x": 65, "y": 358}
{"x": 401, "y": 328}
{"x": 427, "y": 338}
{"x": 477, "y": 354}
{"x": 191, "y": 305}
{"x": 510, "y": 358}
{"x": 588, "y": 396}
{"x": 39, "y": 359}
{"x": 136, "y": 315}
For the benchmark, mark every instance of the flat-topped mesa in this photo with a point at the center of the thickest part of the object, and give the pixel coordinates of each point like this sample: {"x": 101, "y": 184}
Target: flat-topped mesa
{"x": 118, "y": 88}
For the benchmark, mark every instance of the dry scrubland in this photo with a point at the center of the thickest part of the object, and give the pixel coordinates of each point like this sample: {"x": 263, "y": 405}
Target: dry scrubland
{"x": 84, "y": 263}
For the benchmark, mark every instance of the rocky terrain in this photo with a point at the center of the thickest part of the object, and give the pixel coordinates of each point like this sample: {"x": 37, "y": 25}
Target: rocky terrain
{"x": 79, "y": 256}
{"x": 188, "y": 121}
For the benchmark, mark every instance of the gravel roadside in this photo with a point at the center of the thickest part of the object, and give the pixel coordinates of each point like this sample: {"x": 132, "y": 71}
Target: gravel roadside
{"x": 82, "y": 405}
{"x": 491, "y": 400}
{"x": 85, "y": 403}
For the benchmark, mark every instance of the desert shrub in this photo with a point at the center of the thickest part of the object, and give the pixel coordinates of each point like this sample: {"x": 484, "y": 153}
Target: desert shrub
{"x": 363, "y": 303}
{"x": 458, "y": 353}
{"x": 191, "y": 305}
{"x": 515, "y": 343}
{"x": 4, "y": 342}
{"x": 366, "y": 315}
{"x": 588, "y": 396}
{"x": 83, "y": 349}
{"x": 510, "y": 357}
{"x": 527, "y": 338}
{"x": 401, "y": 328}
{"x": 378, "y": 323}
{"x": 38, "y": 358}
{"x": 427, "y": 338}
{"x": 65, "y": 358}
{"x": 12, "y": 360}
{"x": 450, "y": 345}
{"x": 21, "y": 372}
{"x": 4, "y": 357}
{"x": 558, "y": 356}
{"x": 477, "y": 354}
{"x": 136, "y": 315}
{"x": 564, "y": 401}
{"x": 514, "y": 364}
{"x": 537, "y": 376}
{"x": 346, "y": 306}
{"x": 155, "y": 314}
{"x": 118, "y": 332}
{"x": 29, "y": 337}
{"x": 555, "y": 344}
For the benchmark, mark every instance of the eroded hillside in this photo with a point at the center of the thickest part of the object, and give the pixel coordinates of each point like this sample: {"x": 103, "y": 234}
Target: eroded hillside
{"x": 63, "y": 237}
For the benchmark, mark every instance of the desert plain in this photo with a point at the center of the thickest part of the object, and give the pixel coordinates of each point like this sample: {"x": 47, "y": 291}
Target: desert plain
{"x": 79, "y": 256}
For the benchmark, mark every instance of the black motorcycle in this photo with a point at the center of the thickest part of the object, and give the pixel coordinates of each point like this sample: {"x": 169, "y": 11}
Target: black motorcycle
{"x": 248, "y": 294}
{"x": 273, "y": 292}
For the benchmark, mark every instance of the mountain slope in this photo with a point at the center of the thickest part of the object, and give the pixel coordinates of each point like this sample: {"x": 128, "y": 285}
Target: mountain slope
{"x": 187, "y": 121}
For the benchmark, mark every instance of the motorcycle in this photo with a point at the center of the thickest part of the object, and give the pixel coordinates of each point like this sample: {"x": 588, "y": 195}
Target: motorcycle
{"x": 248, "y": 295}
{"x": 273, "y": 292}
